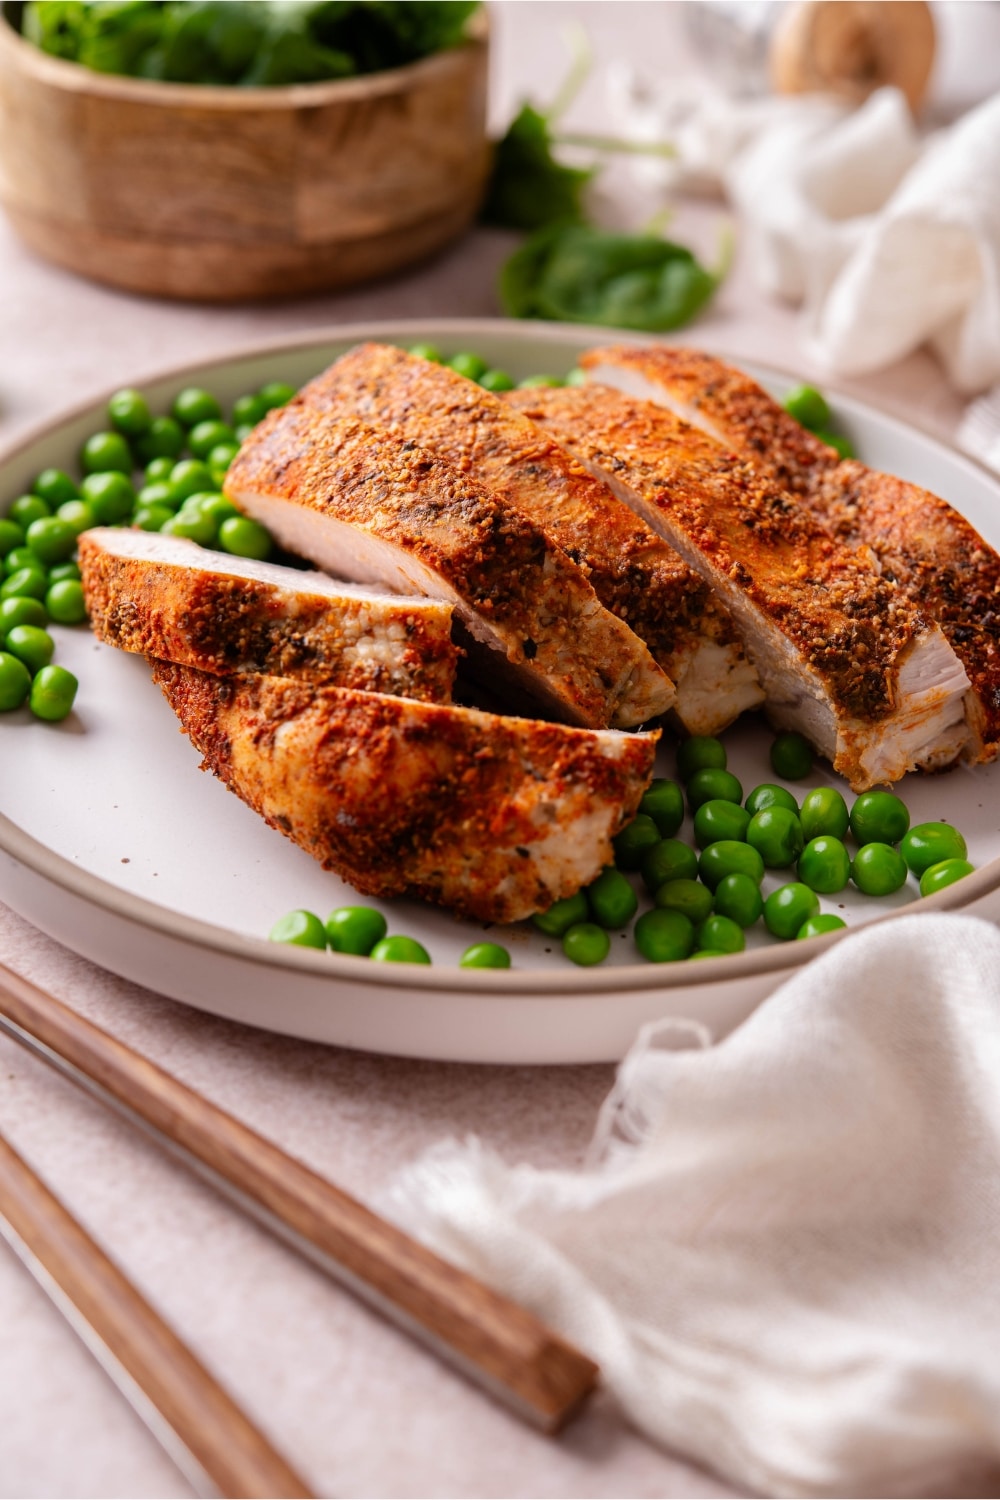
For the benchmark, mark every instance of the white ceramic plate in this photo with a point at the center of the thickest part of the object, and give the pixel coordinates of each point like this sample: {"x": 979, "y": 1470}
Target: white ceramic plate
{"x": 112, "y": 841}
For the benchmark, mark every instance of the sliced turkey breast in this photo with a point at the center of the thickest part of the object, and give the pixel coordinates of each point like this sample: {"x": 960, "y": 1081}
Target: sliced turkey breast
{"x": 843, "y": 654}
{"x": 942, "y": 562}
{"x": 494, "y": 817}
{"x": 367, "y": 504}
{"x": 634, "y": 574}
{"x": 166, "y": 597}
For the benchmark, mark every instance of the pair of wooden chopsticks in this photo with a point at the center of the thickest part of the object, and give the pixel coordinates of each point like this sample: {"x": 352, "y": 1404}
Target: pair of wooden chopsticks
{"x": 495, "y": 1342}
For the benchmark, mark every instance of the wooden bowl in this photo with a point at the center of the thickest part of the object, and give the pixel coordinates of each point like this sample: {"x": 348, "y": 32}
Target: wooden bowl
{"x": 229, "y": 194}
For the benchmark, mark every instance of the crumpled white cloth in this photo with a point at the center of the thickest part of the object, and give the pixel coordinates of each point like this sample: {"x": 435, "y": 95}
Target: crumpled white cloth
{"x": 888, "y": 241}
{"x": 785, "y": 1250}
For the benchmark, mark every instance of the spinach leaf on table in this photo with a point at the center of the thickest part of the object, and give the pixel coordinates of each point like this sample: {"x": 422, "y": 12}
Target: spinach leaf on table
{"x": 577, "y": 274}
{"x": 528, "y": 188}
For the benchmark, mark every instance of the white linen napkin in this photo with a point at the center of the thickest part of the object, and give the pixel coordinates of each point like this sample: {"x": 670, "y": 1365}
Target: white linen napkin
{"x": 888, "y": 241}
{"x": 784, "y": 1249}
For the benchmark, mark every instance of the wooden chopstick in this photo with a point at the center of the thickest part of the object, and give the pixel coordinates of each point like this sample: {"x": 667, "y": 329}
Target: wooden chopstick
{"x": 492, "y": 1340}
{"x": 198, "y": 1423}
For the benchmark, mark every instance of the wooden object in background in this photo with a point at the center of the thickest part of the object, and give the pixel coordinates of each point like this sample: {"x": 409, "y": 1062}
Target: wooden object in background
{"x": 853, "y": 47}
{"x": 490, "y": 1339}
{"x": 229, "y": 194}
{"x": 198, "y": 1423}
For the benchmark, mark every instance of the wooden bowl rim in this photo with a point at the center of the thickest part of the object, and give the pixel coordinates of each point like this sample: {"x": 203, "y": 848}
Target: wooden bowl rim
{"x": 73, "y": 77}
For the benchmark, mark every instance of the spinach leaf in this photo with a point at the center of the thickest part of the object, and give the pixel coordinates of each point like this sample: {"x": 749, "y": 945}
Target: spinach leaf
{"x": 115, "y": 34}
{"x": 55, "y": 27}
{"x": 577, "y": 274}
{"x": 528, "y": 188}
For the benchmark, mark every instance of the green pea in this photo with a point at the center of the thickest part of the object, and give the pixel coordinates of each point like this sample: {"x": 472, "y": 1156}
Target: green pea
{"x": 721, "y": 934}
{"x": 248, "y": 411}
{"x": 878, "y": 870}
{"x": 15, "y": 682}
{"x": 879, "y": 818}
{"x": 276, "y": 393}
{"x": 700, "y": 753}
{"x": 51, "y": 540}
{"x": 106, "y": 452}
{"x": 191, "y": 528}
{"x": 929, "y": 843}
{"x": 194, "y": 405}
{"x": 710, "y": 784}
{"x": 535, "y": 382}
{"x": 208, "y": 435}
{"x": 213, "y": 506}
{"x": 243, "y": 431}
{"x": 767, "y": 795}
{"x": 663, "y": 936}
{"x": 562, "y": 915}
{"x": 53, "y": 693}
{"x": 816, "y": 926}
{"x": 663, "y": 801}
{"x": 28, "y": 583}
{"x": 222, "y": 456}
{"x": 22, "y": 557}
{"x": 688, "y": 896}
{"x": 11, "y": 536}
{"x": 32, "y": 645}
{"x": 54, "y": 487}
{"x": 824, "y": 865}
{"x": 485, "y": 956}
{"x": 586, "y": 944}
{"x": 355, "y": 929}
{"x": 160, "y": 494}
{"x": 165, "y": 439}
{"x": 300, "y": 927}
{"x": 65, "y": 602}
{"x": 129, "y": 413}
{"x": 576, "y": 377}
{"x": 110, "y": 495}
{"x": 427, "y": 351}
{"x": 717, "y": 820}
{"x": 837, "y": 441}
{"x": 496, "y": 380}
{"x": 21, "y": 611}
{"x": 152, "y": 517}
{"x": 791, "y": 756}
{"x": 77, "y": 514}
{"x": 824, "y": 813}
{"x": 635, "y": 838}
{"x": 28, "y": 508}
{"x": 159, "y": 469}
{"x": 738, "y": 897}
{"x": 670, "y": 859}
{"x": 612, "y": 901}
{"x": 245, "y": 538}
{"x": 787, "y": 908}
{"x": 63, "y": 571}
{"x": 776, "y": 834}
{"x": 946, "y": 872}
{"x": 399, "y": 950}
{"x": 190, "y": 477}
{"x": 728, "y": 857}
{"x": 469, "y": 365}
{"x": 808, "y": 406}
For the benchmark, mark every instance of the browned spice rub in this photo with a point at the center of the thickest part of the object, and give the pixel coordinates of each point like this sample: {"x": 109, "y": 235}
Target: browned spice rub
{"x": 494, "y": 817}
{"x": 162, "y": 597}
{"x": 367, "y": 504}
{"x": 937, "y": 557}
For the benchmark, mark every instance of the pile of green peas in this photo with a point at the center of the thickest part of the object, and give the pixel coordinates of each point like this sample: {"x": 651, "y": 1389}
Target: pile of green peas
{"x": 363, "y": 931}
{"x": 475, "y": 368}
{"x": 182, "y": 459}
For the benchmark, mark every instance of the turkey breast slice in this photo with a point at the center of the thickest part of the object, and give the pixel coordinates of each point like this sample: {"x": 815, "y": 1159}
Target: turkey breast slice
{"x": 934, "y": 554}
{"x": 633, "y": 572}
{"x": 366, "y": 503}
{"x": 165, "y": 597}
{"x": 495, "y": 817}
{"x": 843, "y": 654}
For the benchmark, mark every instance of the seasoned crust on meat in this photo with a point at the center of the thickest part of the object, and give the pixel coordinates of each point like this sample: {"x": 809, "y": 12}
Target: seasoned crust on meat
{"x": 935, "y": 555}
{"x": 494, "y": 817}
{"x": 363, "y": 502}
{"x": 162, "y": 596}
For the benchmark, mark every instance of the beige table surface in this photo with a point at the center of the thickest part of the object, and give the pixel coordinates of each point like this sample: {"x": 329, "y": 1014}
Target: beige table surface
{"x": 360, "y": 1410}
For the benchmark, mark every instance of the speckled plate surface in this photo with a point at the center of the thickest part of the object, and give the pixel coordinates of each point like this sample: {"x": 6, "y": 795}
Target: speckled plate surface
{"x": 113, "y": 841}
